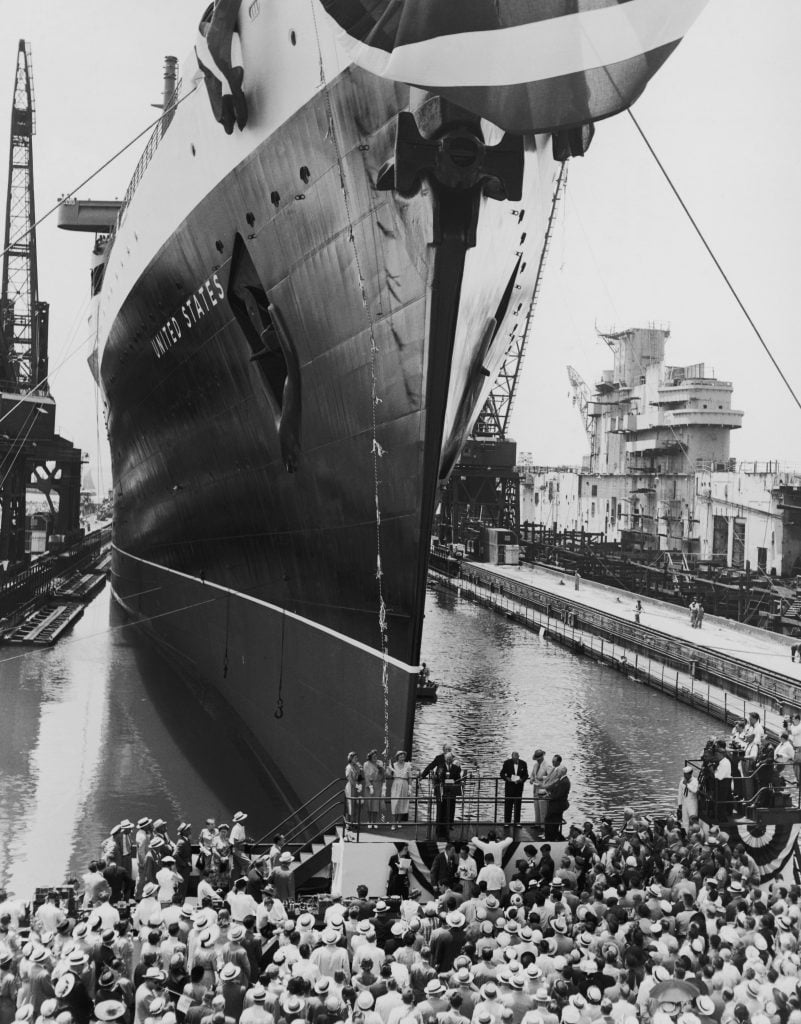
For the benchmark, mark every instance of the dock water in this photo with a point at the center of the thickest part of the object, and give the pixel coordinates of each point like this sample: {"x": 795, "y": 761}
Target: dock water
{"x": 725, "y": 668}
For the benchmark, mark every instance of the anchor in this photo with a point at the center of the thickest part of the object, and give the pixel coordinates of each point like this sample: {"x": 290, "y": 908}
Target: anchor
{"x": 459, "y": 161}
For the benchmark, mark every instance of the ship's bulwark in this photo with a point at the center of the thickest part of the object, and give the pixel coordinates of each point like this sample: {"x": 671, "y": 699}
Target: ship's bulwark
{"x": 201, "y": 435}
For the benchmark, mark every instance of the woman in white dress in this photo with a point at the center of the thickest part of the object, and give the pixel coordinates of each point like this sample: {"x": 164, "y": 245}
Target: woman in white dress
{"x": 402, "y": 771}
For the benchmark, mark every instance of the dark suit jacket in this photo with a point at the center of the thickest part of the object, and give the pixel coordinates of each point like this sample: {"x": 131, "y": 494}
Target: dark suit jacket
{"x": 450, "y": 779}
{"x": 442, "y": 870}
{"x": 434, "y": 767}
{"x": 508, "y": 770}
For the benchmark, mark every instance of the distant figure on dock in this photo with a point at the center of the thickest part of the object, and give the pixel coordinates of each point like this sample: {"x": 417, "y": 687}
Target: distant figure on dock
{"x": 637, "y": 610}
{"x": 694, "y": 612}
{"x": 576, "y": 580}
{"x": 699, "y": 616}
{"x": 688, "y": 797}
{"x": 795, "y": 652}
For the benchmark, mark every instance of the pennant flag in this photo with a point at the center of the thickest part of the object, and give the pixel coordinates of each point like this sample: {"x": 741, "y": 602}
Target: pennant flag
{"x": 526, "y": 65}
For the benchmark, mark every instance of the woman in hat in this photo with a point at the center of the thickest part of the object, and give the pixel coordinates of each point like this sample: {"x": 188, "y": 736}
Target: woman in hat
{"x": 402, "y": 772}
{"x": 353, "y": 786}
{"x": 373, "y": 772}
{"x": 221, "y": 859}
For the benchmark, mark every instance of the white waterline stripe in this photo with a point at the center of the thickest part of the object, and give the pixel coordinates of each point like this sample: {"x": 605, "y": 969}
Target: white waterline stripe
{"x": 272, "y": 607}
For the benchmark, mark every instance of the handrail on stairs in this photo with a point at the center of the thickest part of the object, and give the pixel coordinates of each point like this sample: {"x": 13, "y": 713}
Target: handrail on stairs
{"x": 322, "y": 824}
{"x": 303, "y": 812}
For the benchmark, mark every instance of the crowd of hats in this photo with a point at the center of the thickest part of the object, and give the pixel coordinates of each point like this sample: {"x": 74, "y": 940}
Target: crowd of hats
{"x": 647, "y": 921}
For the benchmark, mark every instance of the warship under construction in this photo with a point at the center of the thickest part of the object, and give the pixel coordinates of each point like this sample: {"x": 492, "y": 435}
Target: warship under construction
{"x": 301, "y": 303}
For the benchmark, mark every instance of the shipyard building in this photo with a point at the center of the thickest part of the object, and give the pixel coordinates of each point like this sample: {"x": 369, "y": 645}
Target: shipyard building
{"x": 659, "y": 475}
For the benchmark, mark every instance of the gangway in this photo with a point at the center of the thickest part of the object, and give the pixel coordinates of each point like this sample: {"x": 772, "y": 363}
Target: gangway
{"x": 46, "y": 624}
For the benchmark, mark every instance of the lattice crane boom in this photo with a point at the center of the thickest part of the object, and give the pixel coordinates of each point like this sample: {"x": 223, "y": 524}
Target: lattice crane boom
{"x": 581, "y": 399}
{"x": 23, "y": 318}
{"x": 493, "y": 420}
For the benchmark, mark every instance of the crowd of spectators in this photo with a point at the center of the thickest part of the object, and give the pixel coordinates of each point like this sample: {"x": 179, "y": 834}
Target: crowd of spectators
{"x": 650, "y": 920}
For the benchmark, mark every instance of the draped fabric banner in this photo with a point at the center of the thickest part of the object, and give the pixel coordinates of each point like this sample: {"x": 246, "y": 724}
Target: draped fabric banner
{"x": 526, "y": 65}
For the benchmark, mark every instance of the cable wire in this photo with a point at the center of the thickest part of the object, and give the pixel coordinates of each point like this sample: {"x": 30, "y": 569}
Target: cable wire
{"x": 63, "y": 199}
{"x": 714, "y": 258}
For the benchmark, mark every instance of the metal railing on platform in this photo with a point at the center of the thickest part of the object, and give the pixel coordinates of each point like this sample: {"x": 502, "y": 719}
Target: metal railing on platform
{"x": 428, "y": 812}
{"x": 431, "y": 810}
{"x": 769, "y": 790}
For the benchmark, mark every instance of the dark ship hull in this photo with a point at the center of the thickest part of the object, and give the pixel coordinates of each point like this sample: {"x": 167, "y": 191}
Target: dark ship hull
{"x": 299, "y": 325}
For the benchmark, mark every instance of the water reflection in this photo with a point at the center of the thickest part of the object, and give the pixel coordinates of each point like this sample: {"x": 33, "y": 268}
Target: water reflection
{"x": 503, "y": 689}
{"x": 98, "y": 728}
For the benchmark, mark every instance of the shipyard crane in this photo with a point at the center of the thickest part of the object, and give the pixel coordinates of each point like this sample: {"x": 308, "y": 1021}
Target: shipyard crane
{"x": 581, "y": 399}
{"x": 493, "y": 420}
{"x": 23, "y": 318}
{"x": 485, "y": 485}
{"x": 32, "y": 455}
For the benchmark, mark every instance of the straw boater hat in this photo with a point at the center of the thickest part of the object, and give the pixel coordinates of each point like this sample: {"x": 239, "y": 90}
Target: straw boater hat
{"x": 65, "y": 985}
{"x": 229, "y": 972}
{"x": 239, "y": 816}
{"x": 109, "y": 1009}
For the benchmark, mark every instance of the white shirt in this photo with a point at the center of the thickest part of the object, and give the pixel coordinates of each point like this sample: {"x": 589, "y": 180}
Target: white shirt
{"x": 495, "y": 848}
{"x": 466, "y": 869}
{"x": 167, "y": 880}
{"x": 275, "y": 915}
{"x": 493, "y": 876}
{"x": 241, "y": 905}
{"x": 723, "y": 769}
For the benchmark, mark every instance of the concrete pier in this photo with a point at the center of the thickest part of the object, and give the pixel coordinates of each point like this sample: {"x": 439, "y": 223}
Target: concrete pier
{"x": 725, "y": 668}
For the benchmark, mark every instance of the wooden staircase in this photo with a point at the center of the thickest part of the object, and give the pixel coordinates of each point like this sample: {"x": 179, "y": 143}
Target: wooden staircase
{"x": 310, "y": 832}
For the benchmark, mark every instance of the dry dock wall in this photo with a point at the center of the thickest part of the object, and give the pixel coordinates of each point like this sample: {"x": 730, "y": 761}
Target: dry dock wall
{"x": 664, "y": 661}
